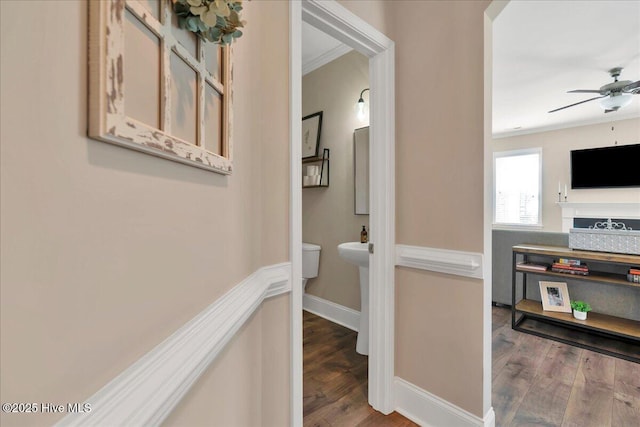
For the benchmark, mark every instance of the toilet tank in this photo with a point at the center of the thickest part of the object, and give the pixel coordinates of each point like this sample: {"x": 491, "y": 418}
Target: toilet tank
{"x": 310, "y": 260}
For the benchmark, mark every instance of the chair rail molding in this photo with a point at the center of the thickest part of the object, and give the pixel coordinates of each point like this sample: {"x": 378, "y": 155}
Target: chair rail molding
{"x": 459, "y": 263}
{"x": 146, "y": 392}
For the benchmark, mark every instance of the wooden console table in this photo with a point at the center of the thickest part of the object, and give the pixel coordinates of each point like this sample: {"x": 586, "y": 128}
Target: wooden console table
{"x": 603, "y": 333}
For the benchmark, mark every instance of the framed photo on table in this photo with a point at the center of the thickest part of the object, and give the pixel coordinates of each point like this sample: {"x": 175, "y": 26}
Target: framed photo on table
{"x": 555, "y": 296}
{"x": 311, "y": 127}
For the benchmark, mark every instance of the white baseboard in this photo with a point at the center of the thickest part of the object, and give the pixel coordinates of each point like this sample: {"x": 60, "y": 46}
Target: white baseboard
{"x": 489, "y": 418}
{"x": 336, "y": 313}
{"x": 147, "y": 391}
{"x": 429, "y": 410}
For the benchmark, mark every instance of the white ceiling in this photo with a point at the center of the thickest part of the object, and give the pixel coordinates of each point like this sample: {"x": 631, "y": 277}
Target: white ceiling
{"x": 318, "y": 48}
{"x": 541, "y": 50}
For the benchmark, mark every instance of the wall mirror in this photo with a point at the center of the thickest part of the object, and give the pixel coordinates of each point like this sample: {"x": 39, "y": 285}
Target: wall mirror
{"x": 361, "y": 170}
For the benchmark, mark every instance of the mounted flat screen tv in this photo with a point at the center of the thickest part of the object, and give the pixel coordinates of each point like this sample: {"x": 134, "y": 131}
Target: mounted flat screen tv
{"x": 606, "y": 167}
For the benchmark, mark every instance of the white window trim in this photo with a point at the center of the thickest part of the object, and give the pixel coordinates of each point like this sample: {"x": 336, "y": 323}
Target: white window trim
{"x": 512, "y": 153}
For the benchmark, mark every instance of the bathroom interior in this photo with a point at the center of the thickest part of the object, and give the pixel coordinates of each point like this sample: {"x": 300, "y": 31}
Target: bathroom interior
{"x": 335, "y": 222}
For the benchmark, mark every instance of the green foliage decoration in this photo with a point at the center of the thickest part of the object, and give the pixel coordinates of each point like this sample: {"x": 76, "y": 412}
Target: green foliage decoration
{"x": 580, "y": 306}
{"x": 216, "y": 21}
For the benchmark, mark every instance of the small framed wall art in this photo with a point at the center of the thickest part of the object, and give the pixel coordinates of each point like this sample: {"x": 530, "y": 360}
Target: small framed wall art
{"x": 311, "y": 127}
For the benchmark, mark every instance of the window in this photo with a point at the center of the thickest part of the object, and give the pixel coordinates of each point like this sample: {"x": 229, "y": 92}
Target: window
{"x": 156, "y": 88}
{"x": 516, "y": 187}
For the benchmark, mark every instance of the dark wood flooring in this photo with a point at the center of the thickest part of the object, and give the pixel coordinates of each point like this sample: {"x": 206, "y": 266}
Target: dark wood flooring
{"x": 536, "y": 381}
{"x": 540, "y": 382}
{"x": 335, "y": 379}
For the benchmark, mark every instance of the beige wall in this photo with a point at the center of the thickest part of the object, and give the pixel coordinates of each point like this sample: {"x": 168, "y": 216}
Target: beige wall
{"x": 328, "y": 217}
{"x": 439, "y": 193}
{"x": 241, "y": 388}
{"x": 439, "y": 187}
{"x": 438, "y": 332}
{"x": 375, "y": 12}
{"x": 107, "y": 251}
{"x": 556, "y": 146}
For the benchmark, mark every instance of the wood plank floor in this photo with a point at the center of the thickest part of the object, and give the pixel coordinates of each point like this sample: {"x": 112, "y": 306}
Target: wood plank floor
{"x": 536, "y": 381}
{"x": 539, "y": 382}
{"x": 335, "y": 379}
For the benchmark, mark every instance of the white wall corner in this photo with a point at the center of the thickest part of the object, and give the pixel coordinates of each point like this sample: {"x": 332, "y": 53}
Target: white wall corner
{"x": 336, "y": 313}
{"x": 295, "y": 209}
{"x": 382, "y": 222}
{"x": 426, "y": 409}
{"x": 468, "y": 264}
{"x": 147, "y": 391}
{"x": 489, "y": 419}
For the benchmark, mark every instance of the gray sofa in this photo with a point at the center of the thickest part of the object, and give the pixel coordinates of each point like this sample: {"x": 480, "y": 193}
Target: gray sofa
{"x": 503, "y": 241}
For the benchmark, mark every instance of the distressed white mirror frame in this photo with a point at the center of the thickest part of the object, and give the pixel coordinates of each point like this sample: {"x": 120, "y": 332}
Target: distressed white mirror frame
{"x": 108, "y": 120}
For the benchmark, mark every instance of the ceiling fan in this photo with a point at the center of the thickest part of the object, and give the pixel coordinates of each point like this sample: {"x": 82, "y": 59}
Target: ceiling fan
{"x": 614, "y": 95}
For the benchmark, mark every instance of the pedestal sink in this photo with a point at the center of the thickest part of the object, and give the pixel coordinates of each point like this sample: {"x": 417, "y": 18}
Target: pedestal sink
{"x": 358, "y": 254}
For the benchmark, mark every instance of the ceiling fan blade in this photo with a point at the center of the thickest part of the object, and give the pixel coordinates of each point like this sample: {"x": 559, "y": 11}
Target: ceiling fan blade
{"x": 631, "y": 87}
{"x": 584, "y": 91}
{"x": 577, "y": 103}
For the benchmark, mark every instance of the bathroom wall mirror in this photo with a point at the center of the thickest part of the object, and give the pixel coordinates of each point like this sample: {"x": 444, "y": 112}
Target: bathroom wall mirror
{"x": 361, "y": 170}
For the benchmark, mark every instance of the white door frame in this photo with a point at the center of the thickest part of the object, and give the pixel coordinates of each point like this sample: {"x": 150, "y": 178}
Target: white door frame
{"x": 343, "y": 25}
{"x": 490, "y": 14}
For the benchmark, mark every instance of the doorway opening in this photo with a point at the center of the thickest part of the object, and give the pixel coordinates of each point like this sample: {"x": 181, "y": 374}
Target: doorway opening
{"x": 339, "y": 23}
{"x": 334, "y": 229}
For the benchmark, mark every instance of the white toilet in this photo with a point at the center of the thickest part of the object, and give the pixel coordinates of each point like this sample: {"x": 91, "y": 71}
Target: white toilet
{"x": 310, "y": 262}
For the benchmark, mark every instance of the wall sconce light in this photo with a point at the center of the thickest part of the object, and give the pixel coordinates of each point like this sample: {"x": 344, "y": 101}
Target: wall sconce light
{"x": 361, "y": 105}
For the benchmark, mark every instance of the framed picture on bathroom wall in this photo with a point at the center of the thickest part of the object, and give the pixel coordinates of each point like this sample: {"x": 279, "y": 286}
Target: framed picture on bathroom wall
{"x": 311, "y": 127}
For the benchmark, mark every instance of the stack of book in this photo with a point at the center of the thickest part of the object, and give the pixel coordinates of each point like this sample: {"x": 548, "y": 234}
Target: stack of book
{"x": 634, "y": 275}
{"x": 570, "y": 266}
{"x": 531, "y": 266}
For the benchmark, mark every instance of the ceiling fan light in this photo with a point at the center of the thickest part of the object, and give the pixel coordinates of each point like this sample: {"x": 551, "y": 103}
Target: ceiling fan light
{"x": 614, "y": 102}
